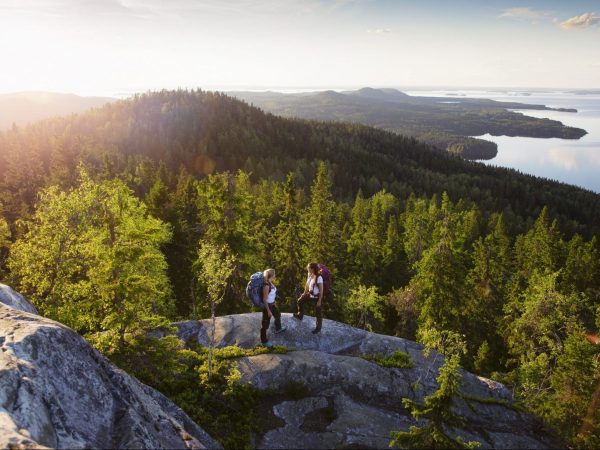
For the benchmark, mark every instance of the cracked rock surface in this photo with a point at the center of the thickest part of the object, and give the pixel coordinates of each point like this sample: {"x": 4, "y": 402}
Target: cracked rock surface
{"x": 349, "y": 402}
{"x": 57, "y": 391}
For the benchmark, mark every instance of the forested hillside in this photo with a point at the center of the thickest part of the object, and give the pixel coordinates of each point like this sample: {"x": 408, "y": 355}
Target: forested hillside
{"x": 107, "y": 217}
{"x": 444, "y": 123}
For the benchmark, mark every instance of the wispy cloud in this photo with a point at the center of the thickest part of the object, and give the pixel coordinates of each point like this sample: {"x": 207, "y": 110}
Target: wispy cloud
{"x": 379, "y": 31}
{"x": 520, "y": 13}
{"x": 176, "y": 8}
{"x": 581, "y": 22}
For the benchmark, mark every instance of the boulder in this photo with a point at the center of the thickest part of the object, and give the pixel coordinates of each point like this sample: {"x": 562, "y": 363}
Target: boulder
{"x": 349, "y": 401}
{"x": 11, "y": 298}
{"x": 57, "y": 391}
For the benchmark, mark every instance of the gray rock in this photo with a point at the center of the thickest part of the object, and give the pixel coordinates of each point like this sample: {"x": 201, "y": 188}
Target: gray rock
{"x": 352, "y": 402}
{"x": 11, "y": 298}
{"x": 57, "y": 391}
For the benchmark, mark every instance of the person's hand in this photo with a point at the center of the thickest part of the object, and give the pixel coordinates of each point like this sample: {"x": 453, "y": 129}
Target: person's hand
{"x": 319, "y": 304}
{"x": 270, "y": 313}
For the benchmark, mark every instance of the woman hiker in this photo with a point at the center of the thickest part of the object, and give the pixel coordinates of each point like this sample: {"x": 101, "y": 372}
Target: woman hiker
{"x": 268, "y": 293}
{"x": 313, "y": 293}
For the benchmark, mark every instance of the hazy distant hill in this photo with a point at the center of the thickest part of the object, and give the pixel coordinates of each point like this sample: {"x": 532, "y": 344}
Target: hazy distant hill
{"x": 443, "y": 122}
{"x": 23, "y": 107}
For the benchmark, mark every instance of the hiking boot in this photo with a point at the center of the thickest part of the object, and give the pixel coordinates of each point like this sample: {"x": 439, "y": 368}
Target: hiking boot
{"x": 281, "y": 330}
{"x": 297, "y": 316}
{"x": 267, "y": 344}
{"x": 315, "y": 331}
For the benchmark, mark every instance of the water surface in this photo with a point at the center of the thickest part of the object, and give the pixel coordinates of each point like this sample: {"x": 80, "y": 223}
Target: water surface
{"x": 571, "y": 161}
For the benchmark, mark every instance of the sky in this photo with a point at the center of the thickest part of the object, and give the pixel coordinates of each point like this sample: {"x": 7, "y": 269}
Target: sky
{"x": 111, "y": 47}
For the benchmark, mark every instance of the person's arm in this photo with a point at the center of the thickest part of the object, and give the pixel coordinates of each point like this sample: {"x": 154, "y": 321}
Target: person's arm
{"x": 306, "y": 286}
{"x": 265, "y": 296}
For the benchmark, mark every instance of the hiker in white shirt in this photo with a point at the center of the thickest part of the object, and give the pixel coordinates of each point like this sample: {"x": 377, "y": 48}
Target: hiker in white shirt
{"x": 268, "y": 294}
{"x": 313, "y": 293}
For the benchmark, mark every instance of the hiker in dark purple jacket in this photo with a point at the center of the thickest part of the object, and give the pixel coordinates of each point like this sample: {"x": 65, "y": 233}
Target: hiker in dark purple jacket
{"x": 313, "y": 293}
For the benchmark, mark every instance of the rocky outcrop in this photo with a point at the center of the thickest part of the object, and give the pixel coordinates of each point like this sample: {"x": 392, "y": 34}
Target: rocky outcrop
{"x": 57, "y": 391}
{"x": 11, "y": 298}
{"x": 348, "y": 401}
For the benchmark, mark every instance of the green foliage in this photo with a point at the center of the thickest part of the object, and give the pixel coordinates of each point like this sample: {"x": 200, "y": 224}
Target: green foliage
{"x": 571, "y": 406}
{"x": 4, "y": 234}
{"x": 436, "y": 409}
{"x": 517, "y": 280}
{"x": 225, "y": 408}
{"x": 286, "y": 245}
{"x": 321, "y": 229}
{"x": 4, "y": 241}
{"x": 445, "y": 126}
{"x": 91, "y": 259}
{"x": 215, "y": 265}
{"x": 365, "y": 304}
{"x": 398, "y": 359}
{"x": 441, "y": 273}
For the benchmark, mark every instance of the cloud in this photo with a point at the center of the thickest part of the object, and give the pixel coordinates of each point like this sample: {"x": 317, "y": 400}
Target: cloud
{"x": 581, "y": 22}
{"x": 379, "y": 31}
{"x": 519, "y": 13}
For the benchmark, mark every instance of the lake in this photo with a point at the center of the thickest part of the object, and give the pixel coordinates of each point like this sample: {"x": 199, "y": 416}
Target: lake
{"x": 571, "y": 161}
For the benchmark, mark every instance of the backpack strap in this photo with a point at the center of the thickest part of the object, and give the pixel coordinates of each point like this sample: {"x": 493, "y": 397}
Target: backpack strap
{"x": 266, "y": 283}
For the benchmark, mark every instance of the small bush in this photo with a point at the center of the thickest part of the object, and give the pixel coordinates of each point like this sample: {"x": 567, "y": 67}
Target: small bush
{"x": 398, "y": 359}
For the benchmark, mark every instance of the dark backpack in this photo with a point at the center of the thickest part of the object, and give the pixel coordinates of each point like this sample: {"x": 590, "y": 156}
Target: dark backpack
{"x": 327, "y": 279}
{"x": 253, "y": 290}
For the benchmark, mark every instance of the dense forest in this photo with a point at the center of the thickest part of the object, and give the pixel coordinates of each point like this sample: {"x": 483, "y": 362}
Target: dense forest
{"x": 447, "y": 124}
{"x": 106, "y": 219}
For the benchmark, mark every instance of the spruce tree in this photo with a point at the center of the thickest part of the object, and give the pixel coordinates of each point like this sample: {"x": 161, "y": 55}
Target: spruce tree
{"x": 287, "y": 247}
{"x": 321, "y": 229}
{"x": 487, "y": 288}
{"x": 440, "y": 278}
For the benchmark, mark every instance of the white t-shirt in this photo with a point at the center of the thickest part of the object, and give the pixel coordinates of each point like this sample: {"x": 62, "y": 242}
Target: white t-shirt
{"x": 313, "y": 289}
{"x": 272, "y": 294}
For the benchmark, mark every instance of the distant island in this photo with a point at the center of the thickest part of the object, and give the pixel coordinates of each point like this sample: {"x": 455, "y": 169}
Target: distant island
{"x": 447, "y": 124}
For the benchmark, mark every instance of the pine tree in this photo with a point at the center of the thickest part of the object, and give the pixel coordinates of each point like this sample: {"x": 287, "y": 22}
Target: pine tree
{"x": 487, "y": 289}
{"x": 182, "y": 251}
{"x": 440, "y": 278}
{"x": 436, "y": 410}
{"x": 287, "y": 248}
{"x": 157, "y": 200}
{"x": 573, "y": 405}
{"x": 417, "y": 224}
{"x": 320, "y": 227}
{"x": 394, "y": 267}
{"x": 581, "y": 272}
{"x": 225, "y": 214}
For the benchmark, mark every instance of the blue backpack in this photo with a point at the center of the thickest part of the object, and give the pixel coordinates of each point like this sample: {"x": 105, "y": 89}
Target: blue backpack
{"x": 257, "y": 280}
